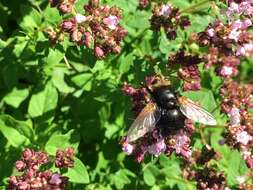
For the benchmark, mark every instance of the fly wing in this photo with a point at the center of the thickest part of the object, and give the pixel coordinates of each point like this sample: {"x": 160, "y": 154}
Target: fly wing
{"x": 144, "y": 123}
{"x": 196, "y": 113}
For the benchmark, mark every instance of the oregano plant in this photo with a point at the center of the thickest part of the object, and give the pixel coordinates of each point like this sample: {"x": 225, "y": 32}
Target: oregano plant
{"x": 126, "y": 94}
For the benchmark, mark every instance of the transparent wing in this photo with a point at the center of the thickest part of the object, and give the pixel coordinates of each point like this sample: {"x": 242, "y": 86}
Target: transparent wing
{"x": 196, "y": 113}
{"x": 144, "y": 123}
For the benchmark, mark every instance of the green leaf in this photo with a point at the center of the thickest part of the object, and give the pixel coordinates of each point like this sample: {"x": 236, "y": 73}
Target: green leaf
{"x": 125, "y": 63}
{"x": 121, "y": 178}
{"x": 59, "y": 141}
{"x": 83, "y": 80}
{"x": 233, "y": 165}
{"x": 31, "y": 18}
{"x": 137, "y": 18}
{"x": 20, "y": 46}
{"x": 22, "y": 127}
{"x": 148, "y": 176}
{"x": 78, "y": 174}
{"x": 127, "y": 6}
{"x": 54, "y": 56}
{"x": 180, "y": 4}
{"x": 16, "y": 97}
{"x": 59, "y": 82}
{"x": 18, "y": 133}
{"x": 10, "y": 75}
{"x": 51, "y": 15}
{"x": 167, "y": 46}
{"x": 43, "y": 101}
{"x": 2, "y": 44}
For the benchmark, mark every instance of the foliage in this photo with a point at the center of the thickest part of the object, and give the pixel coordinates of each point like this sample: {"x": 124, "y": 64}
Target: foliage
{"x": 55, "y": 96}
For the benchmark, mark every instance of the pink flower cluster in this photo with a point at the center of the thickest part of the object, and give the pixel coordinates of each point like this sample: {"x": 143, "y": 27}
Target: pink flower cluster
{"x": 97, "y": 29}
{"x": 188, "y": 70}
{"x": 139, "y": 97}
{"x": 210, "y": 179}
{"x": 144, "y": 3}
{"x": 64, "y": 158}
{"x": 207, "y": 176}
{"x": 34, "y": 179}
{"x": 169, "y": 18}
{"x": 64, "y": 6}
{"x": 156, "y": 142}
{"x": 236, "y": 102}
{"x": 228, "y": 42}
{"x": 239, "y": 7}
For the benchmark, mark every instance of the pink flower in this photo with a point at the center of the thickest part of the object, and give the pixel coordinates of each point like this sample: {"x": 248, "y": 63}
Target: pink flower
{"x": 245, "y": 49}
{"x": 246, "y": 7}
{"x": 241, "y": 25}
{"x": 210, "y": 32}
{"x": 236, "y": 25}
{"x": 181, "y": 145}
{"x": 248, "y": 49}
{"x": 165, "y": 10}
{"x": 250, "y": 162}
{"x": 157, "y": 148}
{"x": 234, "y": 116}
{"x": 234, "y": 34}
{"x": 80, "y": 18}
{"x": 23, "y": 185}
{"x": 127, "y": 148}
{"x": 246, "y": 23}
{"x": 240, "y": 51}
{"x": 226, "y": 71}
{"x": 193, "y": 85}
{"x": 56, "y": 179}
{"x": 234, "y": 7}
{"x": 246, "y": 153}
{"x": 243, "y": 137}
{"x": 111, "y": 21}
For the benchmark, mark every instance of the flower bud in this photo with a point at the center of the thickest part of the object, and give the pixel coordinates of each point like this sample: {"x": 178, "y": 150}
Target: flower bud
{"x": 88, "y": 39}
{"x": 20, "y": 165}
{"x": 27, "y": 154}
{"x": 68, "y": 25}
{"x": 99, "y": 53}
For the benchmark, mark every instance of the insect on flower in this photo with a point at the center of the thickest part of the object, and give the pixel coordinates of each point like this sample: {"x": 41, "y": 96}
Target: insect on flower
{"x": 167, "y": 111}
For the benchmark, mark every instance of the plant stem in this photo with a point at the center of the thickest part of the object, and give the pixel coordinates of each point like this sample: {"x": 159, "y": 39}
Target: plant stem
{"x": 195, "y": 6}
{"x": 202, "y": 135}
{"x": 215, "y": 126}
{"x": 66, "y": 62}
{"x": 69, "y": 66}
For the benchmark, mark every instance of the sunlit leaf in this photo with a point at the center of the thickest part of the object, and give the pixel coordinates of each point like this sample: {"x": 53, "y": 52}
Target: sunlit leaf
{"x": 43, "y": 101}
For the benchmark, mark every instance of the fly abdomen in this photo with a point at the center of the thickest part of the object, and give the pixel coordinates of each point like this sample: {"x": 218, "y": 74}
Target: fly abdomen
{"x": 171, "y": 119}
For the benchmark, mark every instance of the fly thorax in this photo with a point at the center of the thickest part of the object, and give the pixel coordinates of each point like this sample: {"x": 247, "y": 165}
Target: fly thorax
{"x": 165, "y": 98}
{"x": 174, "y": 114}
